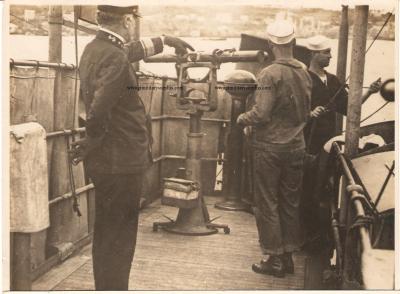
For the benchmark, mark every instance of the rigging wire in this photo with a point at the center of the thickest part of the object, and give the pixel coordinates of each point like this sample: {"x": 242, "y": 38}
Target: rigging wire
{"x": 32, "y": 24}
{"x": 366, "y": 51}
{"x": 373, "y": 113}
{"x": 333, "y": 98}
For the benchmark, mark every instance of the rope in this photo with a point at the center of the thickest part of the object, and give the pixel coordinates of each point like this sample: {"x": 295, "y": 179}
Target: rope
{"x": 75, "y": 205}
{"x": 362, "y": 221}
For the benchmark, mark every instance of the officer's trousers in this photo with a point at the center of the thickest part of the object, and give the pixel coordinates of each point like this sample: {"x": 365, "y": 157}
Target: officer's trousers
{"x": 115, "y": 229}
{"x": 277, "y": 189}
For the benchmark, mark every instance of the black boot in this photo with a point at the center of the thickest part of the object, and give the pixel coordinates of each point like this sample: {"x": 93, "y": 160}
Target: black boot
{"x": 288, "y": 262}
{"x": 273, "y": 266}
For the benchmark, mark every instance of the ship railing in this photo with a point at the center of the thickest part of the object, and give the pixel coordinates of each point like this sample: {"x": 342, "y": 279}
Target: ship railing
{"x": 352, "y": 214}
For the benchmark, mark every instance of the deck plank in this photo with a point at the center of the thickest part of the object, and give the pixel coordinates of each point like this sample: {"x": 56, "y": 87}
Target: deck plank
{"x": 165, "y": 261}
{"x": 55, "y": 276}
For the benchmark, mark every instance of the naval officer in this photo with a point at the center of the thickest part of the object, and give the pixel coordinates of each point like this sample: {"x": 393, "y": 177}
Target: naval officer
{"x": 116, "y": 149}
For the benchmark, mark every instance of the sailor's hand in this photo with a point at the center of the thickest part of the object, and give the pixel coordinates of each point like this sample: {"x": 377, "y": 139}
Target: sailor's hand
{"x": 179, "y": 45}
{"x": 318, "y": 111}
{"x": 239, "y": 120}
{"x": 81, "y": 148}
{"x": 375, "y": 86}
{"x": 247, "y": 131}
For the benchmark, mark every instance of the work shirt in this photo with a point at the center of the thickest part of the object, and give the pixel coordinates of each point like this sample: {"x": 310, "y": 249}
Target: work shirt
{"x": 281, "y": 106}
{"x": 321, "y": 95}
{"x": 114, "y": 111}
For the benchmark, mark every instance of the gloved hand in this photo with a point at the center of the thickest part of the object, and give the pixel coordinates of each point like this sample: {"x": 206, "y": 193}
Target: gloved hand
{"x": 179, "y": 45}
{"x": 81, "y": 148}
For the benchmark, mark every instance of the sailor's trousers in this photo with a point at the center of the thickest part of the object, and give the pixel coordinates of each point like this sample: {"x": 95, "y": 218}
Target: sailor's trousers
{"x": 277, "y": 191}
{"x": 115, "y": 229}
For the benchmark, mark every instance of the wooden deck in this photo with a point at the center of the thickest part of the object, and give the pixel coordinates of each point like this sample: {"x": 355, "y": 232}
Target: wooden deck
{"x": 165, "y": 261}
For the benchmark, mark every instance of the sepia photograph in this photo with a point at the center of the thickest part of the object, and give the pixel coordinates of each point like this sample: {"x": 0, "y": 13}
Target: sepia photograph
{"x": 200, "y": 146}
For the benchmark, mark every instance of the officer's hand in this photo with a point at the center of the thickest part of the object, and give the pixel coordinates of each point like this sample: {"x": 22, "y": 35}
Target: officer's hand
{"x": 179, "y": 45}
{"x": 81, "y": 148}
{"x": 375, "y": 86}
{"x": 318, "y": 111}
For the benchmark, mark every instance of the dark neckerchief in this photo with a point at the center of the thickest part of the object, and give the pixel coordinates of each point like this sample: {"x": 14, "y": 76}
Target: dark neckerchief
{"x": 102, "y": 35}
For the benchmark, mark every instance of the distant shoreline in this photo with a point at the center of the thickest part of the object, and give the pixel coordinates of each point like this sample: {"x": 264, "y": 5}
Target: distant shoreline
{"x": 209, "y": 38}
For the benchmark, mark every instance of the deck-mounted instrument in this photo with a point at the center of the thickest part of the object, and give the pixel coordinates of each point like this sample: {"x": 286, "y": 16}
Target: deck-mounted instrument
{"x": 193, "y": 217}
{"x": 240, "y": 84}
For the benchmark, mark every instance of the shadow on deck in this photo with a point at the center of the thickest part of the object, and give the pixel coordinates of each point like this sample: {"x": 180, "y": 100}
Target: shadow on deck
{"x": 165, "y": 261}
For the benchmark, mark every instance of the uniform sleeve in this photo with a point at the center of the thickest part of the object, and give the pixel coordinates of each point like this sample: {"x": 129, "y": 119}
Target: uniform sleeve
{"x": 264, "y": 101}
{"x": 137, "y": 50}
{"x": 108, "y": 85}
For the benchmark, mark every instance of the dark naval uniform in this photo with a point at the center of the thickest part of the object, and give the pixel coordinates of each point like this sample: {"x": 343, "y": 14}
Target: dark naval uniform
{"x": 320, "y": 95}
{"x": 116, "y": 117}
{"x": 324, "y": 130}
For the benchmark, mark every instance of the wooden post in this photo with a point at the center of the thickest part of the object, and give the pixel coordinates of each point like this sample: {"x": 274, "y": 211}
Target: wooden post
{"x": 353, "y": 128}
{"x": 342, "y": 60}
{"x": 356, "y": 80}
{"x": 55, "y": 33}
{"x": 66, "y": 227}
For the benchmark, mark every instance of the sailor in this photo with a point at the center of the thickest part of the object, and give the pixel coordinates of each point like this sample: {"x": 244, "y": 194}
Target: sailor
{"x": 116, "y": 149}
{"x": 326, "y": 86}
{"x": 278, "y": 116}
{"x": 321, "y": 128}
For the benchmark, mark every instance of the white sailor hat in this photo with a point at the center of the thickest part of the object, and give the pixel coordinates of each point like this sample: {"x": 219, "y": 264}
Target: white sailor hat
{"x": 280, "y": 32}
{"x": 318, "y": 43}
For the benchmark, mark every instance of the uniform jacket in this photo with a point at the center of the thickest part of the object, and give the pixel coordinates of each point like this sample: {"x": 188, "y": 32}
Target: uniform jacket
{"x": 320, "y": 96}
{"x": 114, "y": 111}
{"x": 281, "y": 107}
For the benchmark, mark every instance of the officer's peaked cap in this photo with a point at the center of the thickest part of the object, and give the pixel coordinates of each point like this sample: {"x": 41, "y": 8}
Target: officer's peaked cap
{"x": 280, "y": 32}
{"x": 133, "y": 9}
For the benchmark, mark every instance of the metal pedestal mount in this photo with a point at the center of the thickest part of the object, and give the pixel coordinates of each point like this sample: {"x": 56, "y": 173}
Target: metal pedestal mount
{"x": 193, "y": 218}
{"x": 239, "y": 84}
